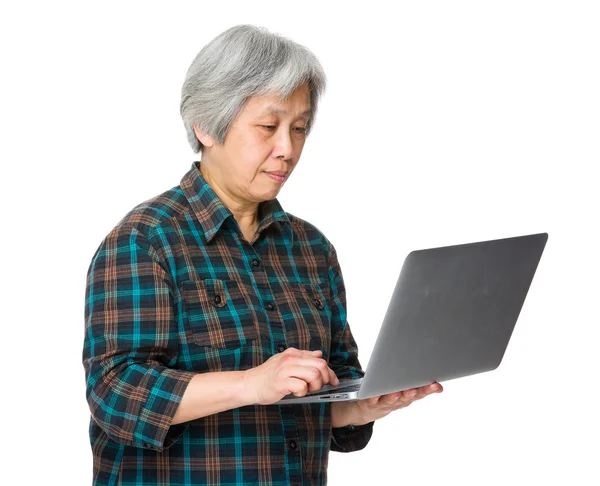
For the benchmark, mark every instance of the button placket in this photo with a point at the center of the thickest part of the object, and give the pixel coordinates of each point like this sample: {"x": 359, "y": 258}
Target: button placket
{"x": 273, "y": 325}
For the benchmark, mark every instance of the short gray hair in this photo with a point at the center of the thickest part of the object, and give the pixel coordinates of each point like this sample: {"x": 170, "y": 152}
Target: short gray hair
{"x": 242, "y": 62}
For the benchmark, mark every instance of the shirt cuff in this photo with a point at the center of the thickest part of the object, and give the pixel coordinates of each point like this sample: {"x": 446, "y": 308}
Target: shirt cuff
{"x": 351, "y": 437}
{"x": 154, "y": 430}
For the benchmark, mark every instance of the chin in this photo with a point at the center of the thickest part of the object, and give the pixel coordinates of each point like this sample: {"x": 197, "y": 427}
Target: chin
{"x": 267, "y": 196}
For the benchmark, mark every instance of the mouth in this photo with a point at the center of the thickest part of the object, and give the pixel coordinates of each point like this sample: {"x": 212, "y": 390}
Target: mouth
{"x": 277, "y": 175}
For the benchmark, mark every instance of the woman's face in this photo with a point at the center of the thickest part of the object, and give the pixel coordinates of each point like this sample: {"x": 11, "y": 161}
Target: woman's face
{"x": 268, "y": 136}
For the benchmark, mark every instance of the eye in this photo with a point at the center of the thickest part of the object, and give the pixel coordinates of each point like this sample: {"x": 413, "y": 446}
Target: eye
{"x": 269, "y": 127}
{"x": 300, "y": 129}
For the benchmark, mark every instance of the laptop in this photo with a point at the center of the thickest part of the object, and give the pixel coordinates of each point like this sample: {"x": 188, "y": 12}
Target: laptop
{"x": 451, "y": 315}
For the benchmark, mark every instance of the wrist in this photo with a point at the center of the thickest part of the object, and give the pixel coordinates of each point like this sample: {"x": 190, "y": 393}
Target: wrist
{"x": 245, "y": 389}
{"x": 346, "y": 413}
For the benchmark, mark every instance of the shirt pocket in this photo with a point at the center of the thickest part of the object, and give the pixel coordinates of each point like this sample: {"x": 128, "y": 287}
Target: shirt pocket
{"x": 307, "y": 316}
{"x": 219, "y": 313}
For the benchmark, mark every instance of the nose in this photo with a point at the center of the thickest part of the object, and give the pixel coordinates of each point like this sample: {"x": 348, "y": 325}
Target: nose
{"x": 284, "y": 146}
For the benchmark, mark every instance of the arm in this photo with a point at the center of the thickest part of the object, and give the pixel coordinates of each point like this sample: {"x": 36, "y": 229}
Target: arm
{"x": 293, "y": 371}
{"x": 210, "y": 393}
{"x": 131, "y": 343}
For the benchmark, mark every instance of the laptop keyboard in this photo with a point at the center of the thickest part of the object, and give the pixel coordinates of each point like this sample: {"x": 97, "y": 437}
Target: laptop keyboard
{"x": 341, "y": 388}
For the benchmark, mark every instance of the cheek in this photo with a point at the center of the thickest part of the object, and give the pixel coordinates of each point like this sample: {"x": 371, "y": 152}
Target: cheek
{"x": 299, "y": 145}
{"x": 255, "y": 151}
{"x": 249, "y": 157}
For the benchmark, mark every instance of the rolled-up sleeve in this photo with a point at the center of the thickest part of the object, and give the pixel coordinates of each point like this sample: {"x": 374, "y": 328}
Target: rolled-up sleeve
{"x": 131, "y": 343}
{"x": 343, "y": 358}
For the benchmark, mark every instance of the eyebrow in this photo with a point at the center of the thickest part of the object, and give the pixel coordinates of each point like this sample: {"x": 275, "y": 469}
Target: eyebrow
{"x": 274, "y": 110}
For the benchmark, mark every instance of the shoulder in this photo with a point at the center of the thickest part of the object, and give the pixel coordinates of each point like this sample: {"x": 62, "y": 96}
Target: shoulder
{"x": 308, "y": 232}
{"x": 141, "y": 223}
{"x": 149, "y": 215}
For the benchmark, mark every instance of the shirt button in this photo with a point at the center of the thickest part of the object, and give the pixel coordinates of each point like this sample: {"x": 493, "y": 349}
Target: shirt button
{"x": 270, "y": 306}
{"x": 255, "y": 262}
{"x": 281, "y": 348}
{"x": 293, "y": 444}
{"x": 318, "y": 304}
{"x": 217, "y": 299}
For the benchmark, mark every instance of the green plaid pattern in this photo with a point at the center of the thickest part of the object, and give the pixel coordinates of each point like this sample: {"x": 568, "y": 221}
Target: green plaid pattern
{"x": 174, "y": 290}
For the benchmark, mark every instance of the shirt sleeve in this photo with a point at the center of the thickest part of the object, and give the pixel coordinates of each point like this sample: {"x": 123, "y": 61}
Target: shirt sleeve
{"x": 343, "y": 359}
{"x": 131, "y": 343}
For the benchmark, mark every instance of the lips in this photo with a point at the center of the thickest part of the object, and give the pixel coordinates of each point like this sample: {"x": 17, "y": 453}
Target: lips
{"x": 277, "y": 175}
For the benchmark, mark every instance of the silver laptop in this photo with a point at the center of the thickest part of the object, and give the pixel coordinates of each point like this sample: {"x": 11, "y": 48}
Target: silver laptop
{"x": 451, "y": 315}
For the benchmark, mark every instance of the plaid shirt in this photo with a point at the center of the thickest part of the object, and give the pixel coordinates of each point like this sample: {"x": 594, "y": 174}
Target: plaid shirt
{"x": 174, "y": 290}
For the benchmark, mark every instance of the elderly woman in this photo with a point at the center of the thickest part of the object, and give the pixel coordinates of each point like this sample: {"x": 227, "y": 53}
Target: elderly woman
{"x": 208, "y": 303}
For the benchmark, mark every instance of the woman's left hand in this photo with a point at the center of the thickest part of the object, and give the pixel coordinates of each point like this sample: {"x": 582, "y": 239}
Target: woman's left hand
{"x": 377, "y": 407}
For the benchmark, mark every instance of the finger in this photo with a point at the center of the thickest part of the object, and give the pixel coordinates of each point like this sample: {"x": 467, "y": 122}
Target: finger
{"x": 310, "y": 362}
{"x": 390, "y": 398}
{"x": 305, "y": 358}
{"x": 409, "y": 395}
{"x": 301, "y": 352}
{"x": 311, "y": 376}
{"x": 296, "y": 386}
{"x": 396, "y": 405}
{"x": 315, "y": 385}
{"x": 333, "y": 379}
{"x": 414, "y": 394}
{"x": 293, "y": 351}
{"x": 324, "y": 370}
{"x": 423, "y": 391}
{"x": 372, "y": 401}
{"x": 312, "y": 385}
{"x": 328, "y": 376}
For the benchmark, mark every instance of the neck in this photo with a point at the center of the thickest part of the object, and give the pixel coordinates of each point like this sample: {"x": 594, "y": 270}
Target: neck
{"x": 245, "y": 213}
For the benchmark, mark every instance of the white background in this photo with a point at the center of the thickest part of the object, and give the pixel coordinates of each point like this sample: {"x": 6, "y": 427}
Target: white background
{"x": 443, "y": 123}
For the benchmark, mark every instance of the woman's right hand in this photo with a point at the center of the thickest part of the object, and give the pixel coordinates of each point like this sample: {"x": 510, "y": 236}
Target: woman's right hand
{"x": 293, "y": 371}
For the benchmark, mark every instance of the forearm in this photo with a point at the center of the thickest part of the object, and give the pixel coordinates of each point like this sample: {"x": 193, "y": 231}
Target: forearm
{"x": 209, "y": 393}
{"x": 349, "y": 430}
{"x": 345, "y": 413}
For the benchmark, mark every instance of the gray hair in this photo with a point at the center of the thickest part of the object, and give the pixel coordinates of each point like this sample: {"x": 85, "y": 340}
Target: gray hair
{"x": 243, "y": 62}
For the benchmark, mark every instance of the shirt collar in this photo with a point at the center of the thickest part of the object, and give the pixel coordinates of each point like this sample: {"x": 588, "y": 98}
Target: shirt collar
{"x": 212, "y": 213}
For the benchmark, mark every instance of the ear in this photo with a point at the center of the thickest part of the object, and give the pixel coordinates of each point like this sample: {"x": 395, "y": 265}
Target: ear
{"x": 204, "y": 137}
